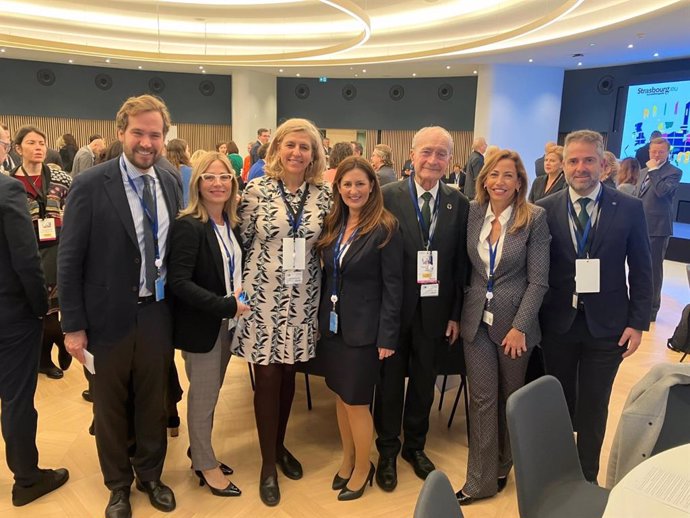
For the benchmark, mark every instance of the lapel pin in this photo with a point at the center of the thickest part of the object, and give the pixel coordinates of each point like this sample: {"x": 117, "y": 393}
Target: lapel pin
{"x": 449, "y": 206}
{"x": 613, "y": 203}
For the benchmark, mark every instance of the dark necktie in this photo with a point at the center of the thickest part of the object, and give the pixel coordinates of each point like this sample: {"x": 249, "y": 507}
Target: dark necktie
{"x": 644, "y": 186}
{"x": 426, "y": 214}
{"x": 583, "y": 216}
{"x": 149, "y": 249}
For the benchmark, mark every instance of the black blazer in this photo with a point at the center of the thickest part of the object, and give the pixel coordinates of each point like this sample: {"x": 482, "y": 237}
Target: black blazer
{"x": 538, "y": 190}
{"x": 620, "y": 236}
{"x": 370, "y": 294}
{"x": 450, "y": 240}
{"x": 98, "y": 254}
{"x": 197, "y": 282}
{"x": 22, "y": 290}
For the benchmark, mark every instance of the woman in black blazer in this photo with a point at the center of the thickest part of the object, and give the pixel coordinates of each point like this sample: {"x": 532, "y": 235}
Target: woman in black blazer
{"x": 554, "y": 179}
{"x": 205, "y": 276}
{"x": 359, "y": 314}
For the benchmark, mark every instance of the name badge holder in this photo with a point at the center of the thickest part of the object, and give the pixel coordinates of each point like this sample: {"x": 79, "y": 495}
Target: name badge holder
{"x": 231, "y": 265}
{"x": 337, "y": 255}
{"x": 427, "y": 260}
{"x": 152, "y": 218}
{"x": 587, "y": 270}
{"x": 46, "y": 229}
{"x": 487, "y": 314}
{"x": 45, "y": 225}
{"x": 294, "y": 248}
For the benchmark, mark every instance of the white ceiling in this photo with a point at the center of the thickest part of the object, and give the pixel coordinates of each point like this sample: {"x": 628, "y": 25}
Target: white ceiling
{"x": 344, "y": 38}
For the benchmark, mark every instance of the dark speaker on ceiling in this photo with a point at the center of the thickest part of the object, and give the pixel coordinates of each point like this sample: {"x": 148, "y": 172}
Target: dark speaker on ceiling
{"x": 45, "y": 76}
{"x": 349, "y": 92}
{"x": 156, "y": 85}
{"x": 207, "y": 88}
{"x": 445, "y": 92}
{"x": 396, "y": 92}
{"x": 302, "y": 91}
{"x": 605, "y": 85}
{"x": 103, "y": 82}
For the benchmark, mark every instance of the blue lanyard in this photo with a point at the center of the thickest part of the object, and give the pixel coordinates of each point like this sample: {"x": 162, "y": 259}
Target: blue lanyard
{"x": 231, "y": 256}
{"x": 151, "y": 217}
{"x": 493, "y": 251}
{"x": 420, "y": 219}
{"x": 337, "y": 254}
{"x": 294, "y": 217}
{"x": 582, "y": 235}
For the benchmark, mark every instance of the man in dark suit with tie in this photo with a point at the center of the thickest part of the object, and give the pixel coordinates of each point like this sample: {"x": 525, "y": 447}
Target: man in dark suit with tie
{"x": 23, "y": 303}
{"x": 112, "y": 275}
{"x": 590, "y": 322}
{"x": 474, "y": 165}
{"x": 642, "y": 154}
{"x": 657, "y": 186}
{"x": 433, "y": 222}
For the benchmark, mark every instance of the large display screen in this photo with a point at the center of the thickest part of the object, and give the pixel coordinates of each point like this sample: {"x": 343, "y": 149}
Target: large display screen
{"x": 664, "y": 107}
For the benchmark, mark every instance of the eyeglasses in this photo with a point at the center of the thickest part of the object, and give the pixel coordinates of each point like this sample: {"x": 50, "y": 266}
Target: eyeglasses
{"x": 210, "y": 178}
{"x": 6, "y": 145}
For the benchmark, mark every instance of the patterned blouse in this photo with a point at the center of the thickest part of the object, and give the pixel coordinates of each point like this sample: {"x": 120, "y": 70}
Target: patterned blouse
{"x": 282, "y": 324}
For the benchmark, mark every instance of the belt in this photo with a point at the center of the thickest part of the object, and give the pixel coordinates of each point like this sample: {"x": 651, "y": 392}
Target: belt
{"x": 146, "y": 300}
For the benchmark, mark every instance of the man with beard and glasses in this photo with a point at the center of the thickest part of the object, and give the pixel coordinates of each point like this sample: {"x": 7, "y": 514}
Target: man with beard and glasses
{"x": 112, "y": 277}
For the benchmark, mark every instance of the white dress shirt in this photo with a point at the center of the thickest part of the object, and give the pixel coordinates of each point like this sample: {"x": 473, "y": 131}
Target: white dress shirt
{"x": 592, "y": 209}
{"x": 483, "y": 245}
{"x": 432, "y": 202}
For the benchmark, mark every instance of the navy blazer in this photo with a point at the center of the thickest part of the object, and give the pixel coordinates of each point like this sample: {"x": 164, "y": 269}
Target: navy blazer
{"x": 450, "y": 240}
{"x": 370, "y": 291}
{"x": 196, "y": 275}
{"x": 620, "y": 235}
{"x": 658, "y": 198}
{"x": 98, "y": 256}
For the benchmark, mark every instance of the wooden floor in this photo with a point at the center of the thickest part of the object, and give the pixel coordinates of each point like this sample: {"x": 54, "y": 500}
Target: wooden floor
{"x": 63, "y": 440}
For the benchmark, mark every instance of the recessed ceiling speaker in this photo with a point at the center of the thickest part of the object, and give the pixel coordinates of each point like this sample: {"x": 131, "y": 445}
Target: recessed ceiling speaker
{"x": 103, "y": 82}
{"x": 605, "y": 85}
{"x": 445, "y": 92}
{"x": 207, "y": 88}
{"x": 349, "y": 92}
{"x": 396, "y": 92}
{"x": 302, "y": 91}
{"x": 156, "y": 85}
{"x": 45, "y": 76}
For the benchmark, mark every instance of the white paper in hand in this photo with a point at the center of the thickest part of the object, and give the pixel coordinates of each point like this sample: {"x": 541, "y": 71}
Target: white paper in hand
{"x": 88, "y": 362}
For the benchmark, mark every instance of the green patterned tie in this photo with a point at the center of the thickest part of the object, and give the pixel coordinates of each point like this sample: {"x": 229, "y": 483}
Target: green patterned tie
{"x": 583, "y": 216}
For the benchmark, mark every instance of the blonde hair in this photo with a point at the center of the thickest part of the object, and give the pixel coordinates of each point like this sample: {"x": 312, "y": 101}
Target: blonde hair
{"x": 612, "y": 164}
{"x": 143, "y": 103}
{"x": 196, "y": 156}
{"x": 522, "y": 209}
{"x": 196, "y": 206}
{"x": 556, "y": 150}
{"x": 314, "y": 171}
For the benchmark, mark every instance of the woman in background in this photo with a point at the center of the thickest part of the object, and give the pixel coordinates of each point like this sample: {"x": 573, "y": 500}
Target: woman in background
{"x": 628, "y": 175}
{"x": 608, "y": 176}
{"x": 554, "y": 179}
{"x": 340, "y": 151}
{"x": 177, "y": 152}
{"x": 67, "y": 148}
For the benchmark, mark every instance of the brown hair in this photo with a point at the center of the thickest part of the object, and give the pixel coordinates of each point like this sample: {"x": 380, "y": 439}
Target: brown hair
{"x": 373, "y": 214}
{"x": 522, "y": 214}
{"x": 588, "y": 136}
{"x": 629, "y": 171}
{"x": 196, "y": 207}
{"x": 143, "y": 103}
{"x": 341, "y": 150}
{"x": 177, "y": 152}
{"x": 317, "y": 165}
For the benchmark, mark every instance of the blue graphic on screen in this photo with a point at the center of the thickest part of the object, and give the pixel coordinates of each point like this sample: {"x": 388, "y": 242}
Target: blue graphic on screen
{"x": 664, "y": 107}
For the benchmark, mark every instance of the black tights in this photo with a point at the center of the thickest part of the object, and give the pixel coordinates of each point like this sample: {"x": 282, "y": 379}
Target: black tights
{"x": 52, "y": 334}
{"x": 273, "y": 394}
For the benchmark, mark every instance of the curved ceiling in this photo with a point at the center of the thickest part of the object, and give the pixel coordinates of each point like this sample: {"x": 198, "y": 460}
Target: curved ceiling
{"x": 317, "y": 36}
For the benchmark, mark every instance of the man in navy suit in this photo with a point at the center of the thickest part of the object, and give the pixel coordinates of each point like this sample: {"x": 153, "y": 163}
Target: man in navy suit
{"x": 656, "y": 188}
{"x": 590, "y": 322}
{"x": 112, "y": 275}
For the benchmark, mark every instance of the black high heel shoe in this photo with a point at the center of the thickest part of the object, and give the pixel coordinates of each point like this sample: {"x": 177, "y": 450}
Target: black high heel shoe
{"x": 230, "y": 490}
{"x": 348, "y": 494}
{"x": 227, "y": 470}
{"x": 339, "y": 482}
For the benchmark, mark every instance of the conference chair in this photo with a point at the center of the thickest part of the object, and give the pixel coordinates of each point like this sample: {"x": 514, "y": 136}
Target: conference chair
{"x": 548, "y": 474}
{"x": 676, "y": 429}
{"x": 453, "y": 363}
{"x": 437, "y": 498}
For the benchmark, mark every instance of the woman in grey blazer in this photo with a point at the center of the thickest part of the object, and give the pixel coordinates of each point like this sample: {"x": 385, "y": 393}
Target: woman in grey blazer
{"x": 508, "y": 247}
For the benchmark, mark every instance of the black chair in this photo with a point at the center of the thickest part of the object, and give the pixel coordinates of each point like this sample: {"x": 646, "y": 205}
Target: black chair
{"x": 452, "y": 362}
{"x": 548, "y": 474}
{"x": 437, "y": 498}
{"x": 676, "y": 429}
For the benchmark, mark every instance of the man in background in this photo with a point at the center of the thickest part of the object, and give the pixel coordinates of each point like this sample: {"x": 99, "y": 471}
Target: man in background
{"x": 474, "y": 164}
{"x": 263, "y": 136}
{"x": 642, "y": 153}
{"x": 87, "y": 155}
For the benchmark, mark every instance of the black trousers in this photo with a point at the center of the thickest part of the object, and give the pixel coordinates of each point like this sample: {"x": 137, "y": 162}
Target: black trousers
{"x": 129, "y": 392}
{"x": 658, "y": 245}
{"x": 416, "y": 358}
{"x": 586, "y": 367}
{"x": 20, "y": 344}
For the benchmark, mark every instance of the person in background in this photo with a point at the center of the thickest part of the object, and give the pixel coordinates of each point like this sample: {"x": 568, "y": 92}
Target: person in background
{"x": 247, "y": 163}
{"x": 5, "y": 146}
{"x": 608, "y": 176}
{"x": 327, "y": 147}
{"x": 87, "y": 155}
{"x": 508, "y": 247}
{"x": 114, "y": 150}
{"x": 554, "y": 179}
{"x": 196, "y": 156}
{"x": 205, "y": 272}
{"x": 474, "y": 165}
{"x": 68, "y": 149}
{"x": 628, "y": 176}
{"x": 642, "y": 154}
{"x": 236, "y": 163}
{"x": 539, "y": 169}
{"x": 222, "y": 147}
{"x": 12, "y": 159}
{"x": 178, "y": 155}
{"x": 257, "y": 170}
{"x": 46, "y": 188}
{"x": 263, "y": 135}
{"x": 357, "y": 148}
{"x": 361, "y": 249}
{"x": 281, "y": 217}
{"x": 340, "y": 152}
{"x": 382, "y": 162}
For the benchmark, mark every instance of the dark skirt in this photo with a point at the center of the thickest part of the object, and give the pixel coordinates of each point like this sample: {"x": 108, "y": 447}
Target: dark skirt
{"x": 351, "y": 372}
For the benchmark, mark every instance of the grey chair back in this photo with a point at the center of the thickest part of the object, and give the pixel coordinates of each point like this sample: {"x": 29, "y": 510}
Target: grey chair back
{"x": 676, "y": 428}
{"x": 437, "y": 498}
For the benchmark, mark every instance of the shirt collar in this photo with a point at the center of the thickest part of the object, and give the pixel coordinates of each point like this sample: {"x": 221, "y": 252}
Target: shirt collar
{"x": 503, "y": 218}
{"x": 420, "y": 190}
{"x": 137, "y": 173}
{"x": 592, "y": 195}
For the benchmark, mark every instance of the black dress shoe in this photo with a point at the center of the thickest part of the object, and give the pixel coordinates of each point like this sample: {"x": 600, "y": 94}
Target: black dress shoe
{"x": 348, "y": 494}
{"x": 339, "y": 482}
{"x": 269, "y": 491}
{"x": 386, "y": 473}
{"x": 174, "y": 425}
{"x": 160, "y": 495}
{"x": 118, "y": 505}
{"x": 227, "y": 470}
{"x": 87, "y": 396}
{"x": 64, "y": 359}
{"x": 230, "y": 490}
{"x": 50, "y": 480}
{"x": 289, "y": 465}
{"x": 52, "y": 372}
{"x": 420, "y": 462}
{"x": 463, "y": 499}
{"x": 502, "y": 483}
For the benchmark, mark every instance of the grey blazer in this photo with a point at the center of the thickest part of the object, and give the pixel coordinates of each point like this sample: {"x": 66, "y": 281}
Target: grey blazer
{"x": 657, "y": 198}
{"x": 521, "y": 279}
